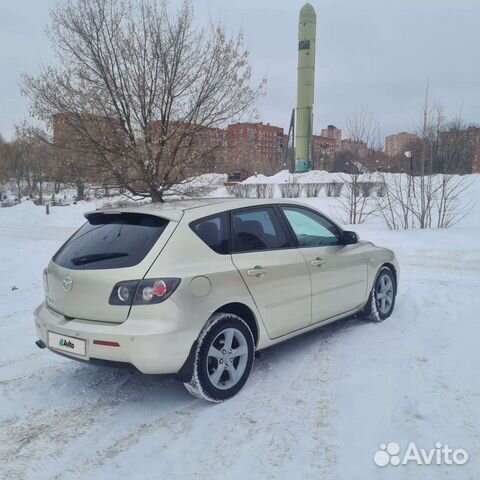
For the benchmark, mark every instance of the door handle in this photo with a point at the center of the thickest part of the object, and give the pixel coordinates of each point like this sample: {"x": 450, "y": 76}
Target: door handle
{"x": 256, "y": 271}
{"x": 318, "y": 262}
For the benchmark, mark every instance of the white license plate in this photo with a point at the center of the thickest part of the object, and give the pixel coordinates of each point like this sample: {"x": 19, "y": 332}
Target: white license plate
{"x": 66, "y": 344}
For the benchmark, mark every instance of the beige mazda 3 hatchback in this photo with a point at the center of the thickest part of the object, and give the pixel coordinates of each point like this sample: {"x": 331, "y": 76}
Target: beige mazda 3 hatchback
{"x": 195, "y": 288}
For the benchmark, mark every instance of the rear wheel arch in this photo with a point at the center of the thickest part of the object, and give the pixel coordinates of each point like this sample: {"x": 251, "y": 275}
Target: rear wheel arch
{"x": 234, "y": 369}
{"x": 245, "y": 313}
{"x": 236, "y": 308}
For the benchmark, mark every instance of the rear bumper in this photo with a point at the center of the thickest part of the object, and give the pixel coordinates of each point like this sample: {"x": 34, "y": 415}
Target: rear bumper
{"x": 157, "y": 346}
{"x": 95, "y": 361}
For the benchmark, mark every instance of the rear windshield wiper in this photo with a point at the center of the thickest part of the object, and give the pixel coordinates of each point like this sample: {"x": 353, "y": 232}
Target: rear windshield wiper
{"x": 96, "y": 257}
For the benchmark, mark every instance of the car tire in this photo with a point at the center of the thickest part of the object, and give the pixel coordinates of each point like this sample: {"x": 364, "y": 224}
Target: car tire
{"x": 223, "y": 358}
{"x": 381, "y": 300}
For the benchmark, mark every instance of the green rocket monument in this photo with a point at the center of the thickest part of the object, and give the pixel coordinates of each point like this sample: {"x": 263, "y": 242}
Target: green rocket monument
{"x": 307, "y": 25}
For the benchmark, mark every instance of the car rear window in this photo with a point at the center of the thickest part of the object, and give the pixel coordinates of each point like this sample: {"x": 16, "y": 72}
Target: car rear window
{"x": 111, "y": 241}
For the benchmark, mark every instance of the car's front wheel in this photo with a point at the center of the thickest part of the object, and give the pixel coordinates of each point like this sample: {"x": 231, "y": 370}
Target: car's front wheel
{"x": 223, "y": 358}
{"x": 382, "y": 296}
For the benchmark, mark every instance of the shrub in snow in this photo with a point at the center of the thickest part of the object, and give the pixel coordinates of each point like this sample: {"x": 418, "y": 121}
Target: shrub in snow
{"x": 243, "y": 190}
{"x": 265, "y": 190}
{"x": 312, "y": 189}
{"x": 334, "y": 189}
{"x": 424, "y": 201}
{"x": 355, "y": 199}
{"x": 367, "y": 188}
{"x": 232, "y": 190}
{"x": 290, "y": 190}
{"x": 380, "y": 188}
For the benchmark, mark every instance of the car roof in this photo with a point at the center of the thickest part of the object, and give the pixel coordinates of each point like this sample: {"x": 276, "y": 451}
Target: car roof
{"x": 198, "y": 207}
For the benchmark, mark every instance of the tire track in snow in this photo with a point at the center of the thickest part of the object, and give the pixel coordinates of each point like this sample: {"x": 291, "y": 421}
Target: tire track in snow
{"x": 291, "y": 411}
{"x": 239, "y": 428}
{"x": 172, "y": 424}
{"x": 43, "y": 433}
{"x": 39, "y": 434}
{"x": 274, "y": 424}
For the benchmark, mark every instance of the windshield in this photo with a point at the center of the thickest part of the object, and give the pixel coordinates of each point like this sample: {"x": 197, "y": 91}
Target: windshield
{"x": 111, "y": 241}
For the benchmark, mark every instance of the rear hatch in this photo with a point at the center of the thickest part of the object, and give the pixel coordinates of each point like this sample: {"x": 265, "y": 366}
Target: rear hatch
{"x": 109, "y": 248}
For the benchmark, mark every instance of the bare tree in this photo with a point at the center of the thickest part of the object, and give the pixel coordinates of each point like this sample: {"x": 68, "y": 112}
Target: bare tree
{"x": 450, "y": 202}
{"x": 432, "y": 120}
{"x": 141, "y": 86}
{"x": 395, "y": 205}
{"x": 454, "y": 150}
{"x": 16, "y": 154}
{"x": 39, "y": 167}
{"x": 355, "y": 200}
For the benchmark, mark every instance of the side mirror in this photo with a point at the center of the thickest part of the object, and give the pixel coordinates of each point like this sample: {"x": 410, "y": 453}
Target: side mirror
{"x": 349, "y": 238}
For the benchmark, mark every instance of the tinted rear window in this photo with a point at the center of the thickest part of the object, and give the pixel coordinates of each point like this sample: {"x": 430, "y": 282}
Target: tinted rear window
{"x": 257, "y": 229}
{"x": 213, "y": 230}
{"x": 111, "y": 241}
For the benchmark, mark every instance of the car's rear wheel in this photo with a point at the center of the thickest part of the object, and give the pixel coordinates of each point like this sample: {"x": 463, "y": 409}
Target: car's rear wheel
{"x": 223, "y": 358}
{"x": 382, "y": 296}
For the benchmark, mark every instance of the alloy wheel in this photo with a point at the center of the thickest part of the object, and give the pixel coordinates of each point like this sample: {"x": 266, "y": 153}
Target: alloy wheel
{"x": 384, "y": 293}
{"x": 227, "y": 358}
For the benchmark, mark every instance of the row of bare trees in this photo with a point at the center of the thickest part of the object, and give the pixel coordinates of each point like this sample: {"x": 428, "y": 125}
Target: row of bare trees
{"x": 27, "y": 164}
{"x": 428, "y": 192}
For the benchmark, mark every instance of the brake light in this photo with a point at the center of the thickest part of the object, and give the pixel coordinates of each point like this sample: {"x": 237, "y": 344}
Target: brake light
{"x": 143, "y": 292}
{"x": 158, "y": 289}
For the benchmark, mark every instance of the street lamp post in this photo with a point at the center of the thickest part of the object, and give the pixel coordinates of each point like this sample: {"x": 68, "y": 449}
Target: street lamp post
{"x": 411, "y": 184}
{"x": 409, "y": 155}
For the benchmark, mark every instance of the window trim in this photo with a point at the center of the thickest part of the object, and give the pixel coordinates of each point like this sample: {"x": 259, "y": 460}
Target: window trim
{"x": 315, "y": 212}
{"x": 278, "y": 214}
{"x": 225, "y": 219}
{"x": 283, "y": 226}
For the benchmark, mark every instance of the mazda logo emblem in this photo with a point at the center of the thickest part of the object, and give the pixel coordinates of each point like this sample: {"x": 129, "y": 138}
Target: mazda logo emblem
{"x": 67, "y": 284}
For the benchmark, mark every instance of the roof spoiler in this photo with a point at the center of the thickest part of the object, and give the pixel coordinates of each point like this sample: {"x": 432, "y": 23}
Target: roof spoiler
{"x": 167, "y": 214}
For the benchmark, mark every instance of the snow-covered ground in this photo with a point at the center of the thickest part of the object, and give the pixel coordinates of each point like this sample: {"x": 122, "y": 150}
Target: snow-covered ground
{"x": 316, "y": 407}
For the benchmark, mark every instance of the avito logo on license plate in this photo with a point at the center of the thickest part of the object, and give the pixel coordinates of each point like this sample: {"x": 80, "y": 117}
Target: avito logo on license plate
{"x": 66, "y": 343}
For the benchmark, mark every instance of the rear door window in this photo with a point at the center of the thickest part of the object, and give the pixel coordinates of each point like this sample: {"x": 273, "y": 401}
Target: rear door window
{"x": 111, "y": 241}
{"x": 257, "y": 229}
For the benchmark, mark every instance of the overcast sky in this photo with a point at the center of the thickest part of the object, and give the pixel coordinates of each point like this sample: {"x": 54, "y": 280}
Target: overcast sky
{"x": 371, "y": 54}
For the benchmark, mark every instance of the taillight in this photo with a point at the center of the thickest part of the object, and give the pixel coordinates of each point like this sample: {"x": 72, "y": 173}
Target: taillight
{"x": 123, "y": 293}
{"x": 158, "y": 289}
{"x": 143, "y": 292}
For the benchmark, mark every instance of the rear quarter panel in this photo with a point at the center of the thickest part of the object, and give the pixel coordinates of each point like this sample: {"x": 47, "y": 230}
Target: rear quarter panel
{"x": 208, "y": 280}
